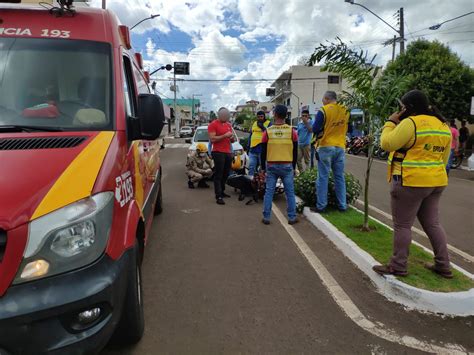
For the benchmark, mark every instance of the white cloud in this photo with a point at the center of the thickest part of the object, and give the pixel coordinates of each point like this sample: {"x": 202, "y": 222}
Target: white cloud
{"x": 300, "y": 25}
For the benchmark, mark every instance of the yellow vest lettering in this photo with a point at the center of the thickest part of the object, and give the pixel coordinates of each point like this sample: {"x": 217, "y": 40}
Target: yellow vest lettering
{"x": 257, "y": 134}
{"x": 336, "y": 119}
{"x": 280, "y": 143}
{"x": 422, "y": 164}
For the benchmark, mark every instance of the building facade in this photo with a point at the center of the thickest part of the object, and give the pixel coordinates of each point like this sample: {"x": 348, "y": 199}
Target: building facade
{"x": 303, "y": 86}
{"x": 187, "y": 110}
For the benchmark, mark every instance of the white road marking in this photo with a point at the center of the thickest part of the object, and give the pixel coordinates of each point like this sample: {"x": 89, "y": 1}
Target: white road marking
{"x": 176, "y": 145}
{"x": 350, "y": 309}
{"x": 418, "y": 231}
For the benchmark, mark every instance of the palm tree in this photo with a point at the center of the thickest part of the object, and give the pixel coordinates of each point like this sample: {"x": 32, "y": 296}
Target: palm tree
{"x": 375, "y": 97}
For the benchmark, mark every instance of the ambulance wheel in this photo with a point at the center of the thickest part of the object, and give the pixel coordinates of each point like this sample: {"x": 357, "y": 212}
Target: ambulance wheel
{"x": 159, "y": 201}
{"x": 132, "y": 322}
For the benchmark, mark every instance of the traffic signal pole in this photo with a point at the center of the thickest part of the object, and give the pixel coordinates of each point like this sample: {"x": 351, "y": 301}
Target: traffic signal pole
{"x": 176, "y": 118}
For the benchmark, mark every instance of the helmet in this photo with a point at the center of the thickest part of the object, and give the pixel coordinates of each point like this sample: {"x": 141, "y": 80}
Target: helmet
{"x": 201, "y": 147}
{"x": 236, "y": 163}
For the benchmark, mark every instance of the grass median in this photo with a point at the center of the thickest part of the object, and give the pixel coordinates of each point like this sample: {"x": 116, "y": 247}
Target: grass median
{"x": 378, "y": 243}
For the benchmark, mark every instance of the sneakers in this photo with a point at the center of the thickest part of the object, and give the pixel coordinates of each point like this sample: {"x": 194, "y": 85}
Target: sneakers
{"x": 225, "y": 195}
{"x": 220, "y": 201}
{"x": 293, "y": 221}
{"x": 447, "y": 274}
{"x": 265, "y": 221}
{"x": 317, "y": 210}
{"x": 388, "y": 270}
{"x": 190, "y": 184}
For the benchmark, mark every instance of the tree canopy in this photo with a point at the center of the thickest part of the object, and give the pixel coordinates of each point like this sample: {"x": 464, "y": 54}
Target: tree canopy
{"x": 433, "y": 68}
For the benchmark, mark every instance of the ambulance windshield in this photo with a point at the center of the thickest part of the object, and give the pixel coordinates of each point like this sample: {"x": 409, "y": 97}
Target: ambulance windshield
{"x": 55, "y": 83}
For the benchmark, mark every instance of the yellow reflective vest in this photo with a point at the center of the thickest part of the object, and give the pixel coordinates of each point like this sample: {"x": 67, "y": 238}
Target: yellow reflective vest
{"x": 280, "y": 143}
{"x": 257, "y": 133}
{"x": 423, "y": 164}
{"x": 336, "y": 119}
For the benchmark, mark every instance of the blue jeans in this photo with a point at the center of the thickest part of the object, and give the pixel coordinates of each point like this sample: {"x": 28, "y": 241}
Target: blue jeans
{"x": 331, "y": 158}
{"x": 450, "y": 161}
{"x": 254, "y": 163}
{"x": 313, "y": 153}
{"x": 286, "y": 173}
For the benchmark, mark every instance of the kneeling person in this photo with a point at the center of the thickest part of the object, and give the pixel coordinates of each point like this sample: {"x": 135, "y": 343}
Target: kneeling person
{"x": 199, "y": 167}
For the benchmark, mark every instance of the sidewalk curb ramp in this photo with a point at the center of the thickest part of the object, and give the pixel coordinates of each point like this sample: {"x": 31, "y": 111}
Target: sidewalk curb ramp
{"x": 446, "y": 303}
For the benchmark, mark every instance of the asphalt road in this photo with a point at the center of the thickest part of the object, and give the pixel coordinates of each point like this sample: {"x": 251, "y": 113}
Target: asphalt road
{"x": 217, "y": 281}
{"x": 457, "y": 202}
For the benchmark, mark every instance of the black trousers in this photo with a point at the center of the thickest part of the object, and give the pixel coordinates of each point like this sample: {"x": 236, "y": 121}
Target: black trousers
{"x": 222, "y": 164}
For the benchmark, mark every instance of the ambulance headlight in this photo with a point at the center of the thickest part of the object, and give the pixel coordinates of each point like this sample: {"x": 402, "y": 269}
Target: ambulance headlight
{"x": 69, "y": 238}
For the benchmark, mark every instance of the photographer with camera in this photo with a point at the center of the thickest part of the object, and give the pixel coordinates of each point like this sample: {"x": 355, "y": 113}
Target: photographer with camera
{"x": 419, "y": 142}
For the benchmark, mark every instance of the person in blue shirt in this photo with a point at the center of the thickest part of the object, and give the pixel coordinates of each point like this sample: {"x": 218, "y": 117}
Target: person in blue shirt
{"x": 305, "y": 132}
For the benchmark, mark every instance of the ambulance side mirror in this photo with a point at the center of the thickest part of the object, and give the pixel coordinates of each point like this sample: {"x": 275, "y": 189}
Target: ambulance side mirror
{"x": 151, "y": 116}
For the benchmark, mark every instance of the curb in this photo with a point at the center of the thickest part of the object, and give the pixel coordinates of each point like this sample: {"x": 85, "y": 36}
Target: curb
{"x": 452, "y": 303}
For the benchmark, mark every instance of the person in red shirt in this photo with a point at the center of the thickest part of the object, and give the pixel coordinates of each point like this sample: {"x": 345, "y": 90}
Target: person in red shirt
{"x": 221, "y": 137}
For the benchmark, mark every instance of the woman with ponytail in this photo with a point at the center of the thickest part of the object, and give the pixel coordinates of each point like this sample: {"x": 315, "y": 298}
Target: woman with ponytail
{"x": 419, "y": 142}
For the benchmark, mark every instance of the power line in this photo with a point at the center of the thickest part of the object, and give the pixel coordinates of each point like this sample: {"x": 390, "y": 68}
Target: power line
{"x": 239, "y": 80}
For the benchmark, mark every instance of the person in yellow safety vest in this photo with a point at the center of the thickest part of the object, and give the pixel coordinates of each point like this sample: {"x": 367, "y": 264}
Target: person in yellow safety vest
{"x": 279, "y": 155}
{"x": 419, "y": 142}
{"x": 255, "y": 140}
{"x": 330, "y": 126}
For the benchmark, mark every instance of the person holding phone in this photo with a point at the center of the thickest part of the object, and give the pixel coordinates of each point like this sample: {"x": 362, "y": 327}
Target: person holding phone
{"x": 419, "y": 142}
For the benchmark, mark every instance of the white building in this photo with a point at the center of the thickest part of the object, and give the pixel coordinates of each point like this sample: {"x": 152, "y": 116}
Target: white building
{"x": 305, "y": 86}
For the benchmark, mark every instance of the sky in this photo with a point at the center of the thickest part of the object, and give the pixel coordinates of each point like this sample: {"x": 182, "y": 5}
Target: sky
{"x": 259, "y": 39}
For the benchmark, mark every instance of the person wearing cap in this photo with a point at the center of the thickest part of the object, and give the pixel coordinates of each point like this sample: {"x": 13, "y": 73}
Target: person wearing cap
{"x": 279, "y": 155}
{"x": 255, "y": 141}
{"x": 330, "y": 126}
{"x": 199, "y": 167}
{"x": 305, "y": 132}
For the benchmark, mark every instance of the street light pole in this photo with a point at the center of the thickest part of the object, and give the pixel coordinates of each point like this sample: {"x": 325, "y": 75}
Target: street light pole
{"x": 400, "y": 31}
{"x": 139, "y": 22}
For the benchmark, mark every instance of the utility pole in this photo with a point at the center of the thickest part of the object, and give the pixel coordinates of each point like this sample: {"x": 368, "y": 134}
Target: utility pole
{"x": 103, "y": 4}
{"x": 176, "y": 116}
{"x": 402, "y": 32}
{"x": 394, "y": 44}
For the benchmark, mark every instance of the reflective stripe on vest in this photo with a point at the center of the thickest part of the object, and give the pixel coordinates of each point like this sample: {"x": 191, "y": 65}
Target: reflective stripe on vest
{"x": 423, "y": 164}
{"x": 336, "y": 119}
{"x": 257, "y": 133}
{"x": 280, "y": 143}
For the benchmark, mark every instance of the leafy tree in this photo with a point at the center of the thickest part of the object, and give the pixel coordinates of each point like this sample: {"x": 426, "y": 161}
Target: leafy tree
{"x": 375, "y": 97}
{"x": 433, "y": 68}
{"x": 246, "y": 118}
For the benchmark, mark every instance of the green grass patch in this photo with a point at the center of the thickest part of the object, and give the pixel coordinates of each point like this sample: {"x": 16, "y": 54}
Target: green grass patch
{"x": 378, "y": 243}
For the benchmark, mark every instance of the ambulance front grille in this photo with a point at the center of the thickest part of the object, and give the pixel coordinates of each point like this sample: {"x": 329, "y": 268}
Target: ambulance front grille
{"x": 3, "y": 243}
{"x": 40, "y": 143}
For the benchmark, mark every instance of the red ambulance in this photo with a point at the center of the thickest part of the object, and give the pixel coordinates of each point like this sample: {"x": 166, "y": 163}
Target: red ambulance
{"x": 80, "y": 179}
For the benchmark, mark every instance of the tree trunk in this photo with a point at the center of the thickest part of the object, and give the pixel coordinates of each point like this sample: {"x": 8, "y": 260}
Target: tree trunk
{"x": 365, "y": 227}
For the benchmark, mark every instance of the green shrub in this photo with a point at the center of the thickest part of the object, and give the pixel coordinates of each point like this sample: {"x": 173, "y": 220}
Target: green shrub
{"x": 305, "y": 188}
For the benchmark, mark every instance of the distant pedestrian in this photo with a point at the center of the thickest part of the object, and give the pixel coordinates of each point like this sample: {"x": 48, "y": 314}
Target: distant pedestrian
{"x": 463, "y": 135}
{"x": 279, "y": 154}
{"x": 454, "y": 143}
{"x": 255, "y": 142}
{"x": 221, "y": 137}
{"x": 330, "y": 126}
{"x": 419, "y": 141}
{"x": 305, "y": 132}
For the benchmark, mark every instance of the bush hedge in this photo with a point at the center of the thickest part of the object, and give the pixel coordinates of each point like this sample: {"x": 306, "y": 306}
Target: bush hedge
{"x": 305, "y": 188}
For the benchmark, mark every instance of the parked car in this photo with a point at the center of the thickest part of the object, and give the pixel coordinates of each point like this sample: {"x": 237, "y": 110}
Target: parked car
{"x": 81, "y": 180}
{"x": 201, "y": 136}
{"x": 186, "y": 131}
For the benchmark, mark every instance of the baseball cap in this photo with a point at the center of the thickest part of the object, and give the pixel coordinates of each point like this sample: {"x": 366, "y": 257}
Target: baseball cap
{"x": 280, "y": 110}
